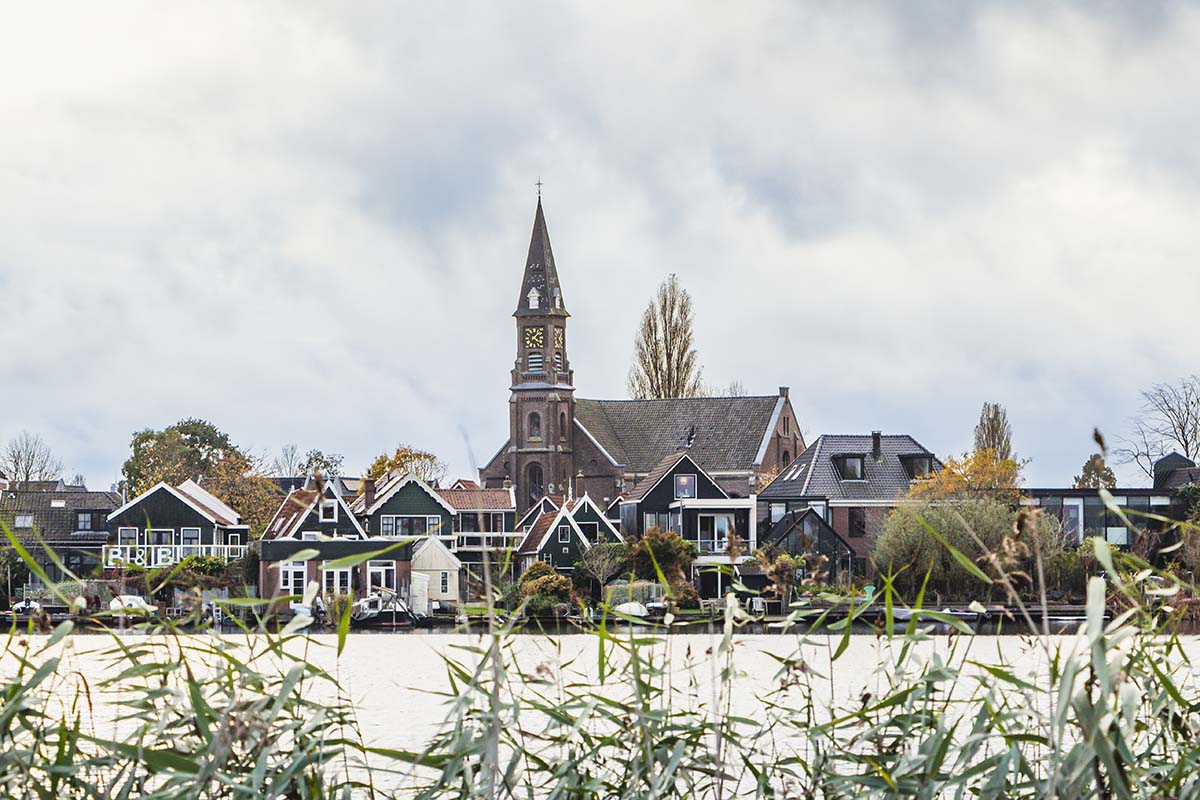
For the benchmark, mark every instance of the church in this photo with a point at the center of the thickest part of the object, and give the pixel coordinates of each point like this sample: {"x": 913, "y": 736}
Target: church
{"x": 559, "y": 443}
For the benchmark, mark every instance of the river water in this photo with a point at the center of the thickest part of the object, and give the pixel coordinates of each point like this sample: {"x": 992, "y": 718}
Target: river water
{"x": 394, "y": 681}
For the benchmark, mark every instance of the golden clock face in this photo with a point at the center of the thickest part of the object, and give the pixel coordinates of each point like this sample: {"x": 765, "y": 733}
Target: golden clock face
{"x": 535, "y": 337}
{"x": 558, "y": 338}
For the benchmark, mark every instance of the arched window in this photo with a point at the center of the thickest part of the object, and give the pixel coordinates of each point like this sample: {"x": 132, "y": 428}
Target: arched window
{"x": 535, "y": 298}
{"x": 562, "y": 426}
{"x": 787, "y": 457}
{"x": 537, "y": 361}
{"x": 534, "y": 482}
{"x": 535, "y": 425}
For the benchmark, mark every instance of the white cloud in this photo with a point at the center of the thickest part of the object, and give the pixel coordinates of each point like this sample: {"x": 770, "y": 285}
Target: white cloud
{"x": 307, "y": 223}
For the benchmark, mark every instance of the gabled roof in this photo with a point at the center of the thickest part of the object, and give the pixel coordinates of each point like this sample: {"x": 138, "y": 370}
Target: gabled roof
{"x": 661, "y": 470}
{"x": 579, "y": 503}
{"x": 544, "y": 527}
{"x": 215, "y": 516}
{"x": 465, "y": 483}
{"x": 205, "y": 498}
{"x": 477, "y": 499}
{"x": 296, "y": 507}
{"x": 723, "y": 433}
{"x": 555, "y": 501}
{"x": 814, "y": 474}
{"x": 436, "y": 543}
{"x": 393, "y": 484}
{"x": 58, "y": 485}
{"x": 55, "y": 514}
{"x": 541, "y": 274}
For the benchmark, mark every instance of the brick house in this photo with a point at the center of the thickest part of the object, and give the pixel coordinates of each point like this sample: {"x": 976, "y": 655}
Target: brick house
{"x": 852, "y": 481}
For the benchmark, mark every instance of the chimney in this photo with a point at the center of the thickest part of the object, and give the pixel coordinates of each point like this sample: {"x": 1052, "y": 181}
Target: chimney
{"x": 368, "y": 492}
{"x": 876, "y": 446}
{"x": 783, "y": 391}
{"x": 507, "y": 483}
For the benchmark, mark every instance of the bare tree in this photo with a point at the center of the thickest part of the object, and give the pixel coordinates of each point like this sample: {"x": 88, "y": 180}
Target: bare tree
{"x": 602, "y": 562}
{"x": 665, "y": 363}
{"x": 1169, "y": 420}
{"x": 994, "y": 433}
{"x": 288, "y": 463}
{"x": 28, "y": 458}
{"x": 78, "y": 480}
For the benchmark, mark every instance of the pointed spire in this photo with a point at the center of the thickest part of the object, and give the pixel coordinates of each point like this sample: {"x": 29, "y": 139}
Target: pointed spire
{"x": 541, "y": 295}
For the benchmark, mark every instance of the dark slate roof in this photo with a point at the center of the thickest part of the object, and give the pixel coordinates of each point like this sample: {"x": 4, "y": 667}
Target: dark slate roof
{"x": 1178, "y": 477}
{"x": 726, "y": 433}
{"x": 50, "y": 522}
{"x": 46, "y": 486}
{"x": 813, "y": 473}
{"x": 541, "y": 274}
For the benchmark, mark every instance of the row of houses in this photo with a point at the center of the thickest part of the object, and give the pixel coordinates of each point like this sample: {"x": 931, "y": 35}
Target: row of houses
{"x": 832, "y": 499}
{"x": 572, "y": 474}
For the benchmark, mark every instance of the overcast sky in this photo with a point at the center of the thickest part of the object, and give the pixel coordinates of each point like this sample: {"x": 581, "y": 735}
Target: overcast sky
{"x": 307, "y": 223}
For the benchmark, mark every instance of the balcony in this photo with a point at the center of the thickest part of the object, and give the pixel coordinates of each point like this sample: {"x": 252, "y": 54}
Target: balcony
{"x": 165, "y": 555}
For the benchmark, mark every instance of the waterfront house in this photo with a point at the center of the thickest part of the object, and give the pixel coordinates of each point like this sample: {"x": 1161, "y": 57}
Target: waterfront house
{"x": 317, "y": 526}
{"x": 554, "y": 538}
{"x": 165, "y": 524}
{"x": 852, "y": 480}
{"x": 484, "y": 521}
{"x": 1084, "y": 514}
{"x": 70, "y": 520}
{"x": 804, "y": 532}
{"x": 443, "y": 568}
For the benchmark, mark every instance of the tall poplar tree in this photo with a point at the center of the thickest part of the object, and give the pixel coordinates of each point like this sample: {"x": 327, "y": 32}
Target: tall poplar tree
{"x": 665, "y": 363}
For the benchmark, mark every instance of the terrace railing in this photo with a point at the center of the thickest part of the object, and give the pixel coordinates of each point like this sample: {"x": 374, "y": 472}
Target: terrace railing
{"x": 165, "y": 555}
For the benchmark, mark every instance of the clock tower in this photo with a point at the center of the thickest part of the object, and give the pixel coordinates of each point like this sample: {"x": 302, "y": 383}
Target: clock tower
{"x": 542, "y": 399}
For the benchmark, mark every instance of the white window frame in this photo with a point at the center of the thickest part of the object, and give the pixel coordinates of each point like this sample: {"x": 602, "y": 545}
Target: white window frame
{"x": 432, "y": 525}
{"x": 309, "y": 536}
{"x": 548, "y": 557}
{"x": 675, "y": 483}
{"x": 183, "y": 534}
{"x": 288, "y": 572}
{"x": 150, "y": 536}
{"x": 564, "y": 534}
{"x": 28, "y": 521}
{"x": 381, "y": 568}
{"x": 233, "y": 539}
{"x": 445, "y": 582}
{"x": 340, "y": 577}
{"x": 1076, "y": 503}
{"x": 326, "y": 504}
{"x": 80, "y": 517}
{"x": 131, "y": 533}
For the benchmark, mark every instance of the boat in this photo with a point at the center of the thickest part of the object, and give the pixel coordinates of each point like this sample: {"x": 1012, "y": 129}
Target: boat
{"x": 383, "y": 610}
{"x": 632, "y": 609}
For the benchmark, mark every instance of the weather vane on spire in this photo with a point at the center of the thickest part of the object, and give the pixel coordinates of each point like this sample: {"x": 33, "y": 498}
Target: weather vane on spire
{"x": 539, "y": 185}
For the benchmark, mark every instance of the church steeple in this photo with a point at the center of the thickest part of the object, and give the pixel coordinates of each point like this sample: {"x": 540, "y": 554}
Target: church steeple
{"x": 541, "y": 294}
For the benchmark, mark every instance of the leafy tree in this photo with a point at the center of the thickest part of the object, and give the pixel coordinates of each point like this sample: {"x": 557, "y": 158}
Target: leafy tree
{"x": 1095, "y": 474}
{"x": 1169, "y": 420}
{"x": 979, "y": 474}
{"x": 237, "y": 482}
{"x": 424, "y": 465}
{"x": 994, "y": 433}
{"x": 190, "y": 448}
{"x": 673, "y": 554}
{"x": 977, "y": 528}
{"x": 319, "y": 463}
{"x": 556, "y": 586}
{"x": 665, "y": 363}
{"x": 28, "y": 458}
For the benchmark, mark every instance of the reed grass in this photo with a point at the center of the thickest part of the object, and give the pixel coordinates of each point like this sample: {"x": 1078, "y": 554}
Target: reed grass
{"x": 1109, "y": 712}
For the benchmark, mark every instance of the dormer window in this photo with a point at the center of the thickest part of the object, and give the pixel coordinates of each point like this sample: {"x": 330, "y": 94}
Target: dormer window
{"x": 537, "y": 362}
{"x": 918, "y": 466}
{"x": 329, "y": 511}
{"x": 535, "y": 298}
{"x": 557, "y": 298}
{"x": 850, "y": 468}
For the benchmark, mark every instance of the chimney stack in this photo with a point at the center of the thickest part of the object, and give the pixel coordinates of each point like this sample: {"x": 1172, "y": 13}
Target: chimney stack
{"x": 507, "y": 483}
{"x": 783, "y": 391}
{"x": 368, "y": 492}
{"x": 876, "y": 446}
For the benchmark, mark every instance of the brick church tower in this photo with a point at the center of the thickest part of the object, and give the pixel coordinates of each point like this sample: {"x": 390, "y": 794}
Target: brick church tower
{"x": 542, "y": 400}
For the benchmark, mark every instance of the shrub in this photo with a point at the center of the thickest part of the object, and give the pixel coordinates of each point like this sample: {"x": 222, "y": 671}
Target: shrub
{"x": 673, "y": 554}
{"x": 538, "y": 569}
{"x": 553, "y": 585}
{"x": 684, "y": 595}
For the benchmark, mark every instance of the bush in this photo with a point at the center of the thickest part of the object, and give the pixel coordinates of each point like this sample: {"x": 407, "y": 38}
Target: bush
{"x": 979, "y": 529}
{"x": 673, "y": 554}
{"x": 538, "y": 569}
{"x": 684, "y": 595}
{"x": 554, "y": 585}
